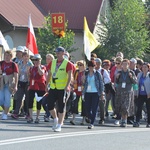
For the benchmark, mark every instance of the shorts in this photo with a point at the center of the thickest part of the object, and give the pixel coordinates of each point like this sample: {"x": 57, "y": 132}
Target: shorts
{"x": 56, "y": 96}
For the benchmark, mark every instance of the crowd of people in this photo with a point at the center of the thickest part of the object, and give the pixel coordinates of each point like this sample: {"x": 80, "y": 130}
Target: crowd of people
{"x": 60, "y": 84}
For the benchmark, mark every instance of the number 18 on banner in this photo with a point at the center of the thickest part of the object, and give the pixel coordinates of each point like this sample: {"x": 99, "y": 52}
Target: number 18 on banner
{"x": 58, "y": 24}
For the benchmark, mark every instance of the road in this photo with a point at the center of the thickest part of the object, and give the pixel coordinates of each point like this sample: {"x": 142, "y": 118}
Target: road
{"x": 18, "y": 135}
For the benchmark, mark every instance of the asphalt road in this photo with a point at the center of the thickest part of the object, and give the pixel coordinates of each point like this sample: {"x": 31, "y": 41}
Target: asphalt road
{"x": 18, "y": 135}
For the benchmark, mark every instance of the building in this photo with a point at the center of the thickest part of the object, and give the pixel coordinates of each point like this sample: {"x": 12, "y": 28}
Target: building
{"x": 14, "y": 18}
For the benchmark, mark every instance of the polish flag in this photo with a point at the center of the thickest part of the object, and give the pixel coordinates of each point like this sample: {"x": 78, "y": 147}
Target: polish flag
{"x": 31, "y": 40}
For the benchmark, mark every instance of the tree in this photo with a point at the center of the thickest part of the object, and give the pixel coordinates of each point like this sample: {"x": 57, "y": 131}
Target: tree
{"x": 47, "y": 41}
{"x": 125, "y": 30}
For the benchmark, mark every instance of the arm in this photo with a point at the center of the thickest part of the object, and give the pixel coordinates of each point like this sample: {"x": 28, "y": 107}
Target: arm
{"x": 69, "y": 80}
{"x": 16, "y": 81}
{"x": 40, "y": 70}
{"x": 47, "y": 80}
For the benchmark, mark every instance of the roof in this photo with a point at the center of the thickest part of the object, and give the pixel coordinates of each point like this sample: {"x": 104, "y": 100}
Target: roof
{"x": 74, "y": 10}
{"x": 16, "y": 12}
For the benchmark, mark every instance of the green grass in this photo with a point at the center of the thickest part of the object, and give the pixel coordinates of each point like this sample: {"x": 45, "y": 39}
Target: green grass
{"x": 11, "y": 107}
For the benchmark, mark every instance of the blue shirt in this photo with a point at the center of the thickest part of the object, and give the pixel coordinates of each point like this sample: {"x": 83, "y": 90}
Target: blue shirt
{"x": 141, "y": 83}
{"x": 91, "y": 85}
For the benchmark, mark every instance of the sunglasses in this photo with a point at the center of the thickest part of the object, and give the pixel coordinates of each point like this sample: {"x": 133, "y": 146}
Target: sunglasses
{"x": 117, "y": 63}
{"x": 36, "y": 60}
{"x": 80, "y": 65}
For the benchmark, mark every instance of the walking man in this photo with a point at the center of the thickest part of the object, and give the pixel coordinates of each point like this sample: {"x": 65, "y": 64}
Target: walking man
{"x": 59, "y": 77}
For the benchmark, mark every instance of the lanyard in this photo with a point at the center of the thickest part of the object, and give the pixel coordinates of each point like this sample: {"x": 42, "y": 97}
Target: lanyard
{"x": 124, "y": 75}
{"x": 5, "y": 67}
{"x": 57, "y": 66}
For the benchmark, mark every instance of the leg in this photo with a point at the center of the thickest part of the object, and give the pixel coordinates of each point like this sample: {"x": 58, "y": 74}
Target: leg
{"x": 94, "y": 106}
{"x": 102, "y": 110}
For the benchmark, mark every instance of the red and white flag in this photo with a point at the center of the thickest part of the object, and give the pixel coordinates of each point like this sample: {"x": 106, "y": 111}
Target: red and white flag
{"x": 31, "y": 40}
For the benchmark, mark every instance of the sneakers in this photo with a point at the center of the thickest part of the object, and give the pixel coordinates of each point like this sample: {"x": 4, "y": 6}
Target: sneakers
{"x": 91, "y": 126}
{"x": 55, "y": 124}
{"x": 46, "y": 119}
{"x": 29, "y": 120}
{"x": 117, "y": 122}
{"x": 148, "y": 125}
{"x": 87, "y": 120}
{"x": 4, "y": 117}
{"x": 123, "y": 124}
{"x": 37, "y": 120}
{"x": 72, "y": 122}
{"x": 14, "y": 116}
{"x": 136, "y": 124}
{"x": 101, "y": 122}
{"x": 57, "y": 129}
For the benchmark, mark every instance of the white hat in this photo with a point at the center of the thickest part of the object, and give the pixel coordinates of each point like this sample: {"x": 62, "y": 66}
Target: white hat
{"x": 98, "y": 60}
{"x": 37, "y": 56}
{"x": 133, "y": 60}
{"x": 20, "y": 49}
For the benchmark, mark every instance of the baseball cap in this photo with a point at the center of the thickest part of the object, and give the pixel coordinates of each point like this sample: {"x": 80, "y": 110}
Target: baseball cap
{"x": 37, "y": 56}
{"x": 20, "y": 49}
{"x": 98, "y": 60}
{"x": 60, "y": 49}
{"x": 133, "y": 60}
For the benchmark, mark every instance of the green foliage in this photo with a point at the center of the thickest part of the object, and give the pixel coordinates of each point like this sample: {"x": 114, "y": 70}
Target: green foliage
{"x": 125, "y": 30}
{"x": 47, "y": 41}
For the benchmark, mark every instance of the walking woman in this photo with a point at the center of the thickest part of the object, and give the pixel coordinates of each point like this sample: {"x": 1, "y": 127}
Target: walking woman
{"x": 37, "y": 85}
{"x": 24, "y": 67}
{"x": 93, "y": 91}
{"x": 8, "y": 82}
{"x": 124, "y": 92}
{"x": 78, "y": 85}
{"x": 143, "y": 94}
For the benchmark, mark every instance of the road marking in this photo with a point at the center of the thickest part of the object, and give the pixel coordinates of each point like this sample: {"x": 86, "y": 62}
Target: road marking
{"x": 69, "y": 134}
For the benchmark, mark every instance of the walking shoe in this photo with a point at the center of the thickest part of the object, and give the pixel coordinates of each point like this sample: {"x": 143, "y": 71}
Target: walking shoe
{"x": 72, "y": 122}
{"x": 54, "y": 125}
{"x": 148, "y": 125}
{"x": 91, "y": 126}
{"x": 22, "y": 114}
{"x": 101, "y": 121}
{"x": 57, "y": 129}
{"x": 87, "y": 120}
{"x": 123, "y": 124}
{"x": 2, "y": 114}
{"x": 37, "y": 120}
{"x": 4, "y": 117}
{"x": 117, "y": 122}
{"x": 46, "y": 119}
{"x": 136, "y": 124}
{"x": 29, "y": 120}
{"x": 14, "y": 116}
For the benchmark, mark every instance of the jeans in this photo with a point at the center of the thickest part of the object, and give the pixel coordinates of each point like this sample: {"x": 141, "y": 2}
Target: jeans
{"x": 140, "y": 101}
{"x": 5, "y": 96}
{"x": 91, "y": 104}
{"x": 45, "y": 105}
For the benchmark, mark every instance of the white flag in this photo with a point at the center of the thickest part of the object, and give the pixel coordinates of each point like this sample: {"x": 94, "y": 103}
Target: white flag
{"x": 90, "y": 42}
{"x": 3, "y": 42}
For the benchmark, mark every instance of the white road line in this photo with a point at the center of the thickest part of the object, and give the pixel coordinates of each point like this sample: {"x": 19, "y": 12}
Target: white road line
{"x": 69, "y": 134}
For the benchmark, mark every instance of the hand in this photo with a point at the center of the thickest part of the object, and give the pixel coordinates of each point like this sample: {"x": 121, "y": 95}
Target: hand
{"x": 130, "y": 75}
{"x": 46, "y": 89}
{"x": 14, "y": 89}
{"x": 67, "y": 89}
{"x": 102, "y": 97}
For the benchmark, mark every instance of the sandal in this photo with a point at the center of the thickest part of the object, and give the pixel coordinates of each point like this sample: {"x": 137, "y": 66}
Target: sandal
{"x": 30, "y": 120}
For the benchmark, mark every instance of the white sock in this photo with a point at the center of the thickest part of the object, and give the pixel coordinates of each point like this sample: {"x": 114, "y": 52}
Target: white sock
{"x": 59, "y": 125}
{"x": 55, "y": 119}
